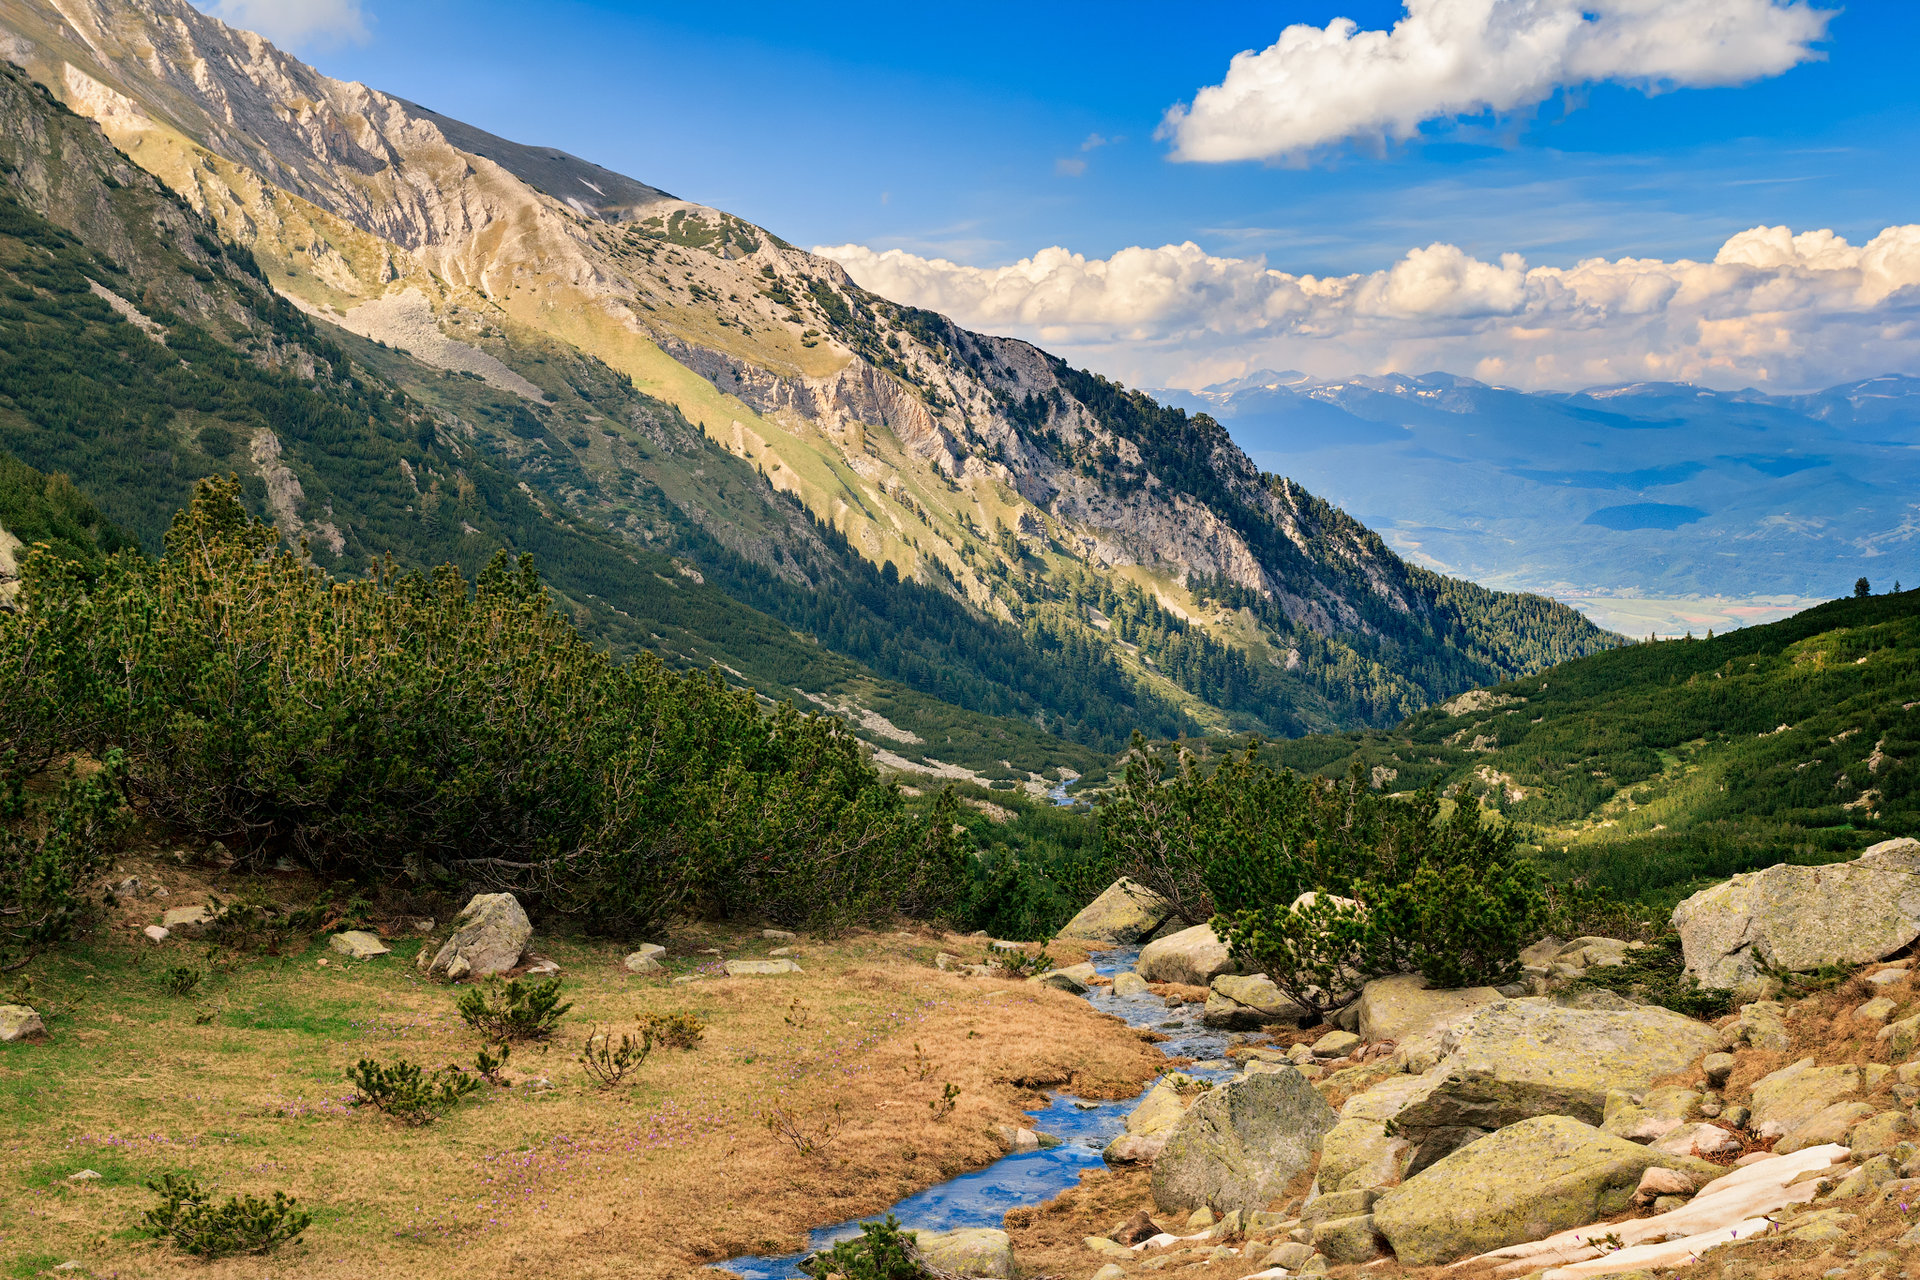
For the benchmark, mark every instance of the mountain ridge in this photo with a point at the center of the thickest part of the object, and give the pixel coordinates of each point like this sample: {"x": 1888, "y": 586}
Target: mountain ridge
{"x": 976, "y": 466}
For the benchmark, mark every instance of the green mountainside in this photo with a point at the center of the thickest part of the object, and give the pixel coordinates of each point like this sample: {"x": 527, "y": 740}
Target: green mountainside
{"x": 213, "y": 372}
{"x": 1649, "y": 768}
{"x": 416, "y": 339}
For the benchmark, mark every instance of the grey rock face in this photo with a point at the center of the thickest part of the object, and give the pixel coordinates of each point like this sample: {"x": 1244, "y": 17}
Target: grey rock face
{"x": 1192, "y": 956}
{"x": 1124, "y": 913}
{"x": 1516, "y": 1060}
{"x": 489, "y": 937}
{"x": 1239, "y": 1146}
{"x": 1799, "y": 918}
{"x": 1243, "y": 1003}
{"x": 19, "y": 1022}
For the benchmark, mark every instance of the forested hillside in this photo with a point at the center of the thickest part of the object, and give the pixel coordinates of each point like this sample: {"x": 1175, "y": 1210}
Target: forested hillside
{"x": 1649, "y": 767}
{"x": 951, "y": 511}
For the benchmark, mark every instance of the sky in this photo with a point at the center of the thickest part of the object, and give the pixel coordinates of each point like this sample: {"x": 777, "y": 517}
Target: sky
{"x": 1542, "y": 193}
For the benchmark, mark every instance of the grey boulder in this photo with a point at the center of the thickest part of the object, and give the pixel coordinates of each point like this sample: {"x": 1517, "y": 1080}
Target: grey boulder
{"x": 1526, "y": 1182}
{"x": 1515, "y": 1060}
{"x": 18, "y": 1023}
{"x": 489, "y": 936}
{"x": 358, "y": 944}
{"x": 1192, "y": 956}
{"x": 1794, "y": 919}
{"x": 1240, "y": 1145}
{"x": 974, "y": 1251}
{"x": 1244, "y": 1002}
{"x": 1124, "y": 913}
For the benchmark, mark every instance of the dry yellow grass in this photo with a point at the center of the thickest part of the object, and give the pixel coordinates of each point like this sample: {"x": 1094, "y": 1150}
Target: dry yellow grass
{"x": 242, "y": 1084}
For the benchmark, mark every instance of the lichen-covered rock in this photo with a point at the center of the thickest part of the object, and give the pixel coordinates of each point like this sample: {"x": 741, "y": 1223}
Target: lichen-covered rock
{"x": 19, "y": 1022}
{"x": 1703, "y": 1140}
{"x": 1763, "y": 1025}
{"x": 1358, "y": 1152}
{"x": 1650, "y": 1115}
{"x": 1901, "y": 1038}
{"x": 1128, "y": 984}
{"x": 1335, "y": 1044}
{"x": 358, "y": 944}
{"x": 1192, "y": 956}
{"x": 188, "y": 922}
{"x": 1402, "y": 1007}
{"x": 1347, "y": 1240}
{"x": 976, "y": 1251}
{"x": 1150, "y": 1122}
{"x": 1072, "y": 980}
{"x": 644, "y": 961}
{"x": 1787, "y": 1103}
{"x": 1515, "y": 1060}
{"x": 489, "y": 936}
{"x": 1240, "y": 1145}
{"x": 1244, "y": 1002}
{"x": 1525, "y": 1182}
{"x": 1799, "y": 918}
{"x": 1880, "y": 1133}
{"x": 1124, "y": 913}
{"x": 760, "y": 968}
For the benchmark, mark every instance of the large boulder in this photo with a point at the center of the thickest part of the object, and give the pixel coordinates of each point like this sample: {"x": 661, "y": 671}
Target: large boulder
{"x": 1152, "y": 1120}
{"x": 19, "y": 1022}
{"x": 1240, "y": 1145}
{"x": 1360, "y": 1152}
{"x": 1245, "y": 1002}
{"x": 1404, "y": 1006}
{"x": 489, "y": 936}
{"x": 1191, "y": 956}
{"x": 974, "y": 1251}
{"x": 1805, "y": 1105}
{"x": 1525, "y": 1182}
{"x": 1799, "y": 918}
{"x": 1124, "y": 913}
{"x": 1515, "y": 1060}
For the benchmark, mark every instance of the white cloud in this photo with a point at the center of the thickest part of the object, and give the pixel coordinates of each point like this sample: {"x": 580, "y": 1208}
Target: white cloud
{"x": 1772, "y": 308}
{"x": 1319, "y": 85}
{"x": 295, "y": 24}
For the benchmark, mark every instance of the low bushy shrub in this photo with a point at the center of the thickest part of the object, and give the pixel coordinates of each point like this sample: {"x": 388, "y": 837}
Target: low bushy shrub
{"x": 180, "y": 980}
{"x": 677, "y": 1029}
{"x": 609, "y": 1061}
{"x": 50, "y": 858}
{"x": 883, "y": 1251}
{"x": 513, "y": 1010}
{"x": 187, "y": 1216}
{"x": 1657, "y": 974}
{"x": 406, "y": 1091}
{"x": 1395, "y": 887}
{"x": 421, "y": 726}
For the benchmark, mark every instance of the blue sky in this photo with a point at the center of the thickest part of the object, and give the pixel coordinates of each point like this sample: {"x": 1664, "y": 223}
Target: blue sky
{"x": 984, "y": 133}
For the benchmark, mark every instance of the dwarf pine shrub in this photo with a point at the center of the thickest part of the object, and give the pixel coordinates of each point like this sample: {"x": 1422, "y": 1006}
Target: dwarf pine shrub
{"x": 407, "y": 1092}
{"x": 513, "y": 1010}
{"x": 187, "y": 1216}
{"x": 423, "y": 726}
{"x": 882, "y": 1251}
{"x": 47, "y": 875}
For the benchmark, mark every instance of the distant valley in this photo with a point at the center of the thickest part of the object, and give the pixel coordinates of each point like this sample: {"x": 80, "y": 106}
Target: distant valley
{"x": 1654, "y": 506}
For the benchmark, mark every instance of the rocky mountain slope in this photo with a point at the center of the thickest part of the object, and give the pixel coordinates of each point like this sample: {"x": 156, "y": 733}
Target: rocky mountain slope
{"x": 871, "y": 475}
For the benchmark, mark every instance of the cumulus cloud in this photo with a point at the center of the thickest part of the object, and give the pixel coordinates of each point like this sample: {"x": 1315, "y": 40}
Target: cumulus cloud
{"x": 1319, "y": 85}
{"x": 295, "y": 24}
{"x": 1771, "y": 308}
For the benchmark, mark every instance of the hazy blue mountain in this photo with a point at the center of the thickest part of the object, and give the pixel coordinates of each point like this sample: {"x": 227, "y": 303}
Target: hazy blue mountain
{"x": 1650, "y": 489}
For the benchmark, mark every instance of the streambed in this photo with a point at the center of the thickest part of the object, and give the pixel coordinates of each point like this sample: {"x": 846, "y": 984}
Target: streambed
{"x": 982, "y": 1198}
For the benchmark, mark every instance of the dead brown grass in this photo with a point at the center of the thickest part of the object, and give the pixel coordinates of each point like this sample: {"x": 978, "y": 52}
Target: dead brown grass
{"x": 653, "y": 1180}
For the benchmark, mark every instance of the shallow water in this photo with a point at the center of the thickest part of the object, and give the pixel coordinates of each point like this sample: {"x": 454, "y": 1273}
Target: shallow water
{"x": 982, "y": 1198}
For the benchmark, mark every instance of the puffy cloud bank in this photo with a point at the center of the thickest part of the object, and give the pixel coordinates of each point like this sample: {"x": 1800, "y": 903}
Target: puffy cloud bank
{"x": 1772, "y": 308}
{"x": 294, "y": 24}
{"x": 1320, "y": 85}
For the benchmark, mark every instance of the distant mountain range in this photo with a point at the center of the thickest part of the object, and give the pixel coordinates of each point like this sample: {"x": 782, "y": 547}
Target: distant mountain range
{"x": 1646, "y": 490}
{"x": 413, "y": 337}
